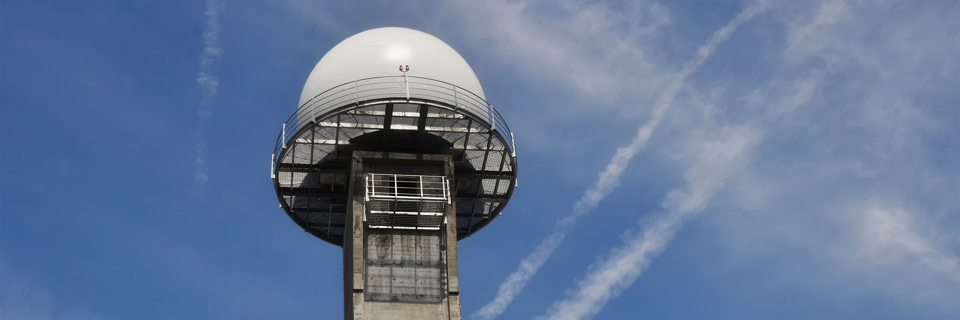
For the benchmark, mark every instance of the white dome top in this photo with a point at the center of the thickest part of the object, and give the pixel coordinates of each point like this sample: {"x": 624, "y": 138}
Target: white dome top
{"x": 379, "y": 52}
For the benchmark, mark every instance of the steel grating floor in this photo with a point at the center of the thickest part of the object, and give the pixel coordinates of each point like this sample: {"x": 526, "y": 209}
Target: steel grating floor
{"x": 312, "y": 170}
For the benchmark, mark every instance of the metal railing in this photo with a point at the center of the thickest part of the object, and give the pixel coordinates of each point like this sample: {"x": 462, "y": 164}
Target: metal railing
{"x": 407, "y": 187}
{"x": 398, "y": 201}
{"x": 393, "y": 89}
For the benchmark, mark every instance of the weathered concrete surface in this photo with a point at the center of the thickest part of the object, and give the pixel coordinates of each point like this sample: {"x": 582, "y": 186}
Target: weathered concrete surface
{"x": 404, "y": 266}
{"x": 415, "y": 270}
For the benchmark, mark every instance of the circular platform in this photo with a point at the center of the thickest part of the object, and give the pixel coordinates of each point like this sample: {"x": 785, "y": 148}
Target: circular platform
{"x": 353, "y": 101}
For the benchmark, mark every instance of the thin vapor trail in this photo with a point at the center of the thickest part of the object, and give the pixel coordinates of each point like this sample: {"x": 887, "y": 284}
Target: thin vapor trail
{"x": 208, "y": 82}
{"x": 716, "y": 161}
{"x": 609, "y": 178}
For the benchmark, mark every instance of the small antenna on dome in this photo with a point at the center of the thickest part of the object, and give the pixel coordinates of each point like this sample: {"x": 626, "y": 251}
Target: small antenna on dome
{"x": 372, "y": 173}
{"x": 406, "y": 84}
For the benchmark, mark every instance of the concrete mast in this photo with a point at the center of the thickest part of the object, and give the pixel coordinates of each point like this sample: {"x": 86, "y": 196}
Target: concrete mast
{"x": 395, "y": 164}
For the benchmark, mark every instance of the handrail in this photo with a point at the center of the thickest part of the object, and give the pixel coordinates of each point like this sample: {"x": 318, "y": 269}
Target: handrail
{"x": 404, "y": 186}
{"x": 368, "y": 91}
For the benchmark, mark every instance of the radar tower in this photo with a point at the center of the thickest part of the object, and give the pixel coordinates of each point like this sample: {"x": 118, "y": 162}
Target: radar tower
{"x": 395, "y": 166}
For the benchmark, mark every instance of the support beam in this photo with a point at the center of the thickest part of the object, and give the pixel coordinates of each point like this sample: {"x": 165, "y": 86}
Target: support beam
{"x": 387, "y": 120}
{"x": 398, "y": 273}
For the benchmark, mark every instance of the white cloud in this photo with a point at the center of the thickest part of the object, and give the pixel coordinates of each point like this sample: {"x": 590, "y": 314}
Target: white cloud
{"x": 591, "y": 47}
{"x": 206, "y": 77}
{"x": 855, "y": 193}
{"x": 208, "y": 82}
{"x": 849, "y": 103}
{"x": 814, "y": 36}
{"x": 608, "y": 179}
{"x": 717, "y": 158}
{"x": 889, "y": 234}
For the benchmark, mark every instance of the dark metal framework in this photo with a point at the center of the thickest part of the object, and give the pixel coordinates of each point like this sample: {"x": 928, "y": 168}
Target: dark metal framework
{"x": 312, "y": 157}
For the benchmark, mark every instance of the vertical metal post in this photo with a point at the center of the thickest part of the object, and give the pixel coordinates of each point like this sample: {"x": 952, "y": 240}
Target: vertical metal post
{"x": 293, "y": 155}
{"x": 456, "y": 98}
{"x": 336, "y": 139}
{"x": 313, "y": 141}
{"x": 406, "y": 85}
{"x": 493, "y": 122}
{"x": 516, "y": 179}
{"x": 446, "y": 185}
{"x": 514, "y": 143}
{"x": 416, "y": 225}
{"x": 273, "y": 166}
{"x": 330, "y": 220}
{"x": 283, "y": 135}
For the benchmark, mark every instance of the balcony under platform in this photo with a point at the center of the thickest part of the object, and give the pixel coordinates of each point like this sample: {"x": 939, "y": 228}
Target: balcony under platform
{"x": 312, "y": 158}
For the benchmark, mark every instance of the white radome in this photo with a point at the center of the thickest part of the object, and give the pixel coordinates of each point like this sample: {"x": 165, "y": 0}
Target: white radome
{"x": 380, "y": 52}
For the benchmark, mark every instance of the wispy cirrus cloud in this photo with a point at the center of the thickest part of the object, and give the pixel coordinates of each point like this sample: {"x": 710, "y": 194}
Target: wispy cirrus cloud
{"x": 715, "y": 160}
{"x": 879, "y": 237}
{"x": 608, "y": 179}
{"x": 208, "y": 82}
{"x": 888, "y": 233}
{"x": 859, "y": 183}
{"x": 594, "y": 48}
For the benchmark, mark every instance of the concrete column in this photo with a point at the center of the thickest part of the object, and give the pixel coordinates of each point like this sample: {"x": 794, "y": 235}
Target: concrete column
{"x": 356, "y": 250}
{"x": 353, "y": 263}
{"x": 453, "y": 277}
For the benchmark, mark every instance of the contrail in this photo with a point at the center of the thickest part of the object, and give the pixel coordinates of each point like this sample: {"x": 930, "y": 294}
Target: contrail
{"x": 715, "y": 162}
{"x": 609, "y": 178}
{"x": 208, "y": 82}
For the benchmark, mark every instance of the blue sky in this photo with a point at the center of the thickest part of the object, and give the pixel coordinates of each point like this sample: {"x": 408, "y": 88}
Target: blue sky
{"x": 795, "y": 159}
